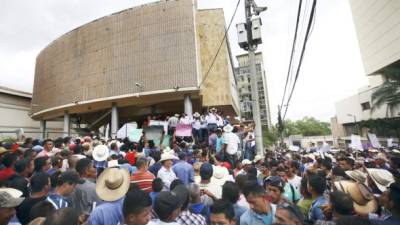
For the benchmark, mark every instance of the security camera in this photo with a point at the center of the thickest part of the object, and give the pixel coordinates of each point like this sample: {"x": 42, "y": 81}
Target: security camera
{"x": 257, "y": 10}
{"x": 138, "y": 85}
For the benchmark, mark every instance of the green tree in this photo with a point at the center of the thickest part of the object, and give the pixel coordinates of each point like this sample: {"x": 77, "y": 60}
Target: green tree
{"x": 308, "y": 126}
{"x": 389, "y": 92}
{"x": 270, "y": 136}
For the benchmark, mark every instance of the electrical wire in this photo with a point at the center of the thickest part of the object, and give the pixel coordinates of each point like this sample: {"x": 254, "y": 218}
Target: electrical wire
{"x": 293, "y": 50}
{"x": 220, "y": 45}
{"x": 310, "y": 23}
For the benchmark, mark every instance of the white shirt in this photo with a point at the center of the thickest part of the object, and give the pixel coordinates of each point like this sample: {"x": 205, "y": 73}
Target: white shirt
{"x": 211, "y": 118}
{"x": 220, "y": 121}
{"x": 167, "y": 176}
{"x": 250, "y": 135}
{"x": 159, "y": 222}
{"x": 214, "y": 188}
{"x": 203, "y": 122}
{"x": 196, "y": 124}
{"x": 232, "y": 141}
{"x": 185, "y": 120}
{"x": 172, "y": 121}
{"x": 295, "y": 181}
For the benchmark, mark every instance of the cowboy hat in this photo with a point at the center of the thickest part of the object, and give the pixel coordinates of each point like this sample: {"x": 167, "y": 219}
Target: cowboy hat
{"x": 363, "y": 199}
{"x": 112, "y": 184}
{"x": 381, "y": 156}
{"x": 10, "y": 197}
{"x": 168, "y": 156}
{"x": 220, "y": 175}
{"x": 246, "y": 162}
{"x": 196, "y": 114}
{"x": 3, "y": 150}
{"x": 357, "y": 175}
{"x": 167, "y": 149}
{"x": 228, "y": 128}
{"x": 257, "y": 158}
{"x": 381, "y": 177}
{"x": 100, "y": 153}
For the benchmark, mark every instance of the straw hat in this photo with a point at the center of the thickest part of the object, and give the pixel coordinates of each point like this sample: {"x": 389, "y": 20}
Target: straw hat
{"x": 112, "y": 184}
{"x": 3, "y": 150}
{"x": 258, "y": 158}
{"x": 38, "y": 221}
{"x": 10, "y": 197}
{"x": 228, "y": 128}
{"x": 220, "y": 175}
{"x": 196, "y": 114}
{"x": 246, "y": 162}
{"x": 381, "y": 177}
{"x": 168, "y": 156}
{"x": 357, "y": 175}
{"x": 363, "y": 199}
{"x": 213, "y": 109}
{"x": 381, "y": 156}
{"x": 100, "y": 153}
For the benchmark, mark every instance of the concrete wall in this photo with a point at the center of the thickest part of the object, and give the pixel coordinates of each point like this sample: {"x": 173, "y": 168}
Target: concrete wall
{"x": 14, "y": 115}
{"x": 378, "y": 30}
{"x": 153, "y": 45}
{"x": 219, "y": 87}
{"x": 352, "y": 105}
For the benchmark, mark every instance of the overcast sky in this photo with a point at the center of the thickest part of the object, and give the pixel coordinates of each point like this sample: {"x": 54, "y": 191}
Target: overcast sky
{"x": 332, "y": 67}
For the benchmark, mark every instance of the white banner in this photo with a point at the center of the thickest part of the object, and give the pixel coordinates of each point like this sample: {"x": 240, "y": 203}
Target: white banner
{"x": 356, "y": 142}
{"x": 374, "y": 140}
{"x": 390, "y": 142}
{"x": 125, "y": 130}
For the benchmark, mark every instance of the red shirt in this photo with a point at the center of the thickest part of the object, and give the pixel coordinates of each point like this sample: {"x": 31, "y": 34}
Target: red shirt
{"x": 6, "y": 173}
{"x": 144, "y": 180}
{"x": 131, "y": 157}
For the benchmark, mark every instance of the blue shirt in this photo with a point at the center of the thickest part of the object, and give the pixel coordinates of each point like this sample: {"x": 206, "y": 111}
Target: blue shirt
{"x": 155, "y": 168}
{"x": 239, "y": 210}
{"x": 220, "y": 143}
{"x": 58, "y": 201}
{"x": 184, "y": 171}
{"x": 153, "y": 196}
{"x": 315, "y": 213}
{"x": 100, "y": 166}
{"x": 252, "y": 218}
{"x": 108, "y": 213}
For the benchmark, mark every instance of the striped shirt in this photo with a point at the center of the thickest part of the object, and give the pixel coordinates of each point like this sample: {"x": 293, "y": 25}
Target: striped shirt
{"x": 58, "y": 201}
{"x": 144, "y": 180}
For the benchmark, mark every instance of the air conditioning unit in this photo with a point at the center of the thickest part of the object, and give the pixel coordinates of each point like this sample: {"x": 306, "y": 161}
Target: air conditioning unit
{"x": 242, "y": 34}
{"x": 256, "y": 30}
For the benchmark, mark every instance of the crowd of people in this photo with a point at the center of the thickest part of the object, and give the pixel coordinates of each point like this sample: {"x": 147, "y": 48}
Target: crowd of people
{"x": 216, "y": 178}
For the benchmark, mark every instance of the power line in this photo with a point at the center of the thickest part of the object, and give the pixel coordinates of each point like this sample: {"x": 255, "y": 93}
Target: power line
{"x": 220, "y": 45}
{"x": 310, "y": 22}
{"x": 293, "y": 49}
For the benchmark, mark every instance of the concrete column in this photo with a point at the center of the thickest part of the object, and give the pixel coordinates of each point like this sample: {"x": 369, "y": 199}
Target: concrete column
{"x": 114, "y": 121}
{"x": 188, "y": 105}
{"x": 43, "y": 128}
{"x": 67, "y": 124}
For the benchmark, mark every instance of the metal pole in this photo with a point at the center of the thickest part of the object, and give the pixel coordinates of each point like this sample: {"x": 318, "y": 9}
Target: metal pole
{"x": 114, "y": 121}
{"x": 67, "y": 123}
{"x": 253, "y": 77}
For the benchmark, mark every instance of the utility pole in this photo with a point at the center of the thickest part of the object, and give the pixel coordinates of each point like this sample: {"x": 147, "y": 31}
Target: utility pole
{"x": 249, "y": 35}
{"x": 280, "y": 126}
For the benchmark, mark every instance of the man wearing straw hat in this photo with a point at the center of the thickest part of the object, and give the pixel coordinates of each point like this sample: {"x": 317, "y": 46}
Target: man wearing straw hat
{"x": 111, "y": 187}
{"x": 231, "y": 144}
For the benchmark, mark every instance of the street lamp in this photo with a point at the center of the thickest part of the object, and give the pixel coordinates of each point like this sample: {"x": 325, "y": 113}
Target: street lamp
{"x": 355, "y": 123}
